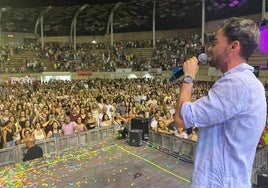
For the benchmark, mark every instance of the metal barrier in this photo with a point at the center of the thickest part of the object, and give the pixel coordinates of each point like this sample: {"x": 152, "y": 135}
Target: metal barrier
{"x": 185, "y": 149}
{"x": 260, "y": 163}
{"x": 56, "y": 145}
{"x": 8, "y": 155}
{"x": 182, "y": 148}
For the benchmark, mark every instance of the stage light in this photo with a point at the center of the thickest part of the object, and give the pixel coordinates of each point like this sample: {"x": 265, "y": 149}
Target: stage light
{"x": 264, "y": 36}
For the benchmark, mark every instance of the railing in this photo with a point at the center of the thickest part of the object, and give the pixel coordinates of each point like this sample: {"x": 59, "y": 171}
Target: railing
{"x": 56, "y": 145}
{"x": 185, "y": 150}
{"x": 260, "y": 163}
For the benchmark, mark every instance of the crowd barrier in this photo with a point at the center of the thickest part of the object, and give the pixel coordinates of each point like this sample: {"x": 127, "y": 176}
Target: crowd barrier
{"x": 52, "y": 146}
{"x": 185, "y": 150}
{"x": 260, "y": 163}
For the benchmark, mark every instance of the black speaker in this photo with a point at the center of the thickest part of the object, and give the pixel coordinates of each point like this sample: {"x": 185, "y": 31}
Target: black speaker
{"x": 263, "y": 179}
{"x": 141, "y": 124}
{"x": 135, "y": 137}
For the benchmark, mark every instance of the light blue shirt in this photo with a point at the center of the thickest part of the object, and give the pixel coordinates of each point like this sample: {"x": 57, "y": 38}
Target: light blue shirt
{"x": 231, "y": 119}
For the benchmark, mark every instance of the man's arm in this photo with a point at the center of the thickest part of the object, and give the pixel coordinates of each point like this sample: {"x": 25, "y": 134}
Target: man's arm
{"x": 185, "y": 96}
{"x": 190, "y": 68}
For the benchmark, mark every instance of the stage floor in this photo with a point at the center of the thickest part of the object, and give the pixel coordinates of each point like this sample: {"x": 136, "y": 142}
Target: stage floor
{"x": 111, "y": 164}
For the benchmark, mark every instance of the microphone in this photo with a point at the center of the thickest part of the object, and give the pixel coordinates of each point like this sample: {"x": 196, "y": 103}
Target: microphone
{"x": 177, "y": 72}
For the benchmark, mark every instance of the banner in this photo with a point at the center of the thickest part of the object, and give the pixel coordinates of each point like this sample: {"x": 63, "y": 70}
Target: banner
{"x": 84, "y": 72}
{"x": 21, "y": 80}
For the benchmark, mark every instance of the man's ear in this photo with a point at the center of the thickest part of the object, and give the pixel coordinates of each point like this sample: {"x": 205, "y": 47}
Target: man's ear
{"x": 235, "y": 44}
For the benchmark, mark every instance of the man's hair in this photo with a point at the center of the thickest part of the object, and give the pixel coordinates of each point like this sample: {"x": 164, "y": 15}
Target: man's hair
{"x": 245, "y": 31}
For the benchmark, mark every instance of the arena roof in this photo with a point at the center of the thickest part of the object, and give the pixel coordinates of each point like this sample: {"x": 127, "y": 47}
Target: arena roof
{"x": 131, "y": 15}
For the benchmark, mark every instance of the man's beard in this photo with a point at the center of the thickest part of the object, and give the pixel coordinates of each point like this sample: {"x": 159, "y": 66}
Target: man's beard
{"x": 211, "y": 60}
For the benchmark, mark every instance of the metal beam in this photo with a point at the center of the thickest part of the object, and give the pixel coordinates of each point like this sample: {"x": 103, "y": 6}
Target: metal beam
{"x": 73, "y": 24}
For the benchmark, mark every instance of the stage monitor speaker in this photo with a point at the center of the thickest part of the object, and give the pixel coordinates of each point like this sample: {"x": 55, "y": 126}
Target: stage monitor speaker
{"x": 141, "y": 124}
{"x": 263, "y": 179}
{"x": 135, "y": 137}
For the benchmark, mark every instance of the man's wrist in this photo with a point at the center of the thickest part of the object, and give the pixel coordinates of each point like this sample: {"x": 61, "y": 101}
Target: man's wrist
{"x": 188, "y": 79}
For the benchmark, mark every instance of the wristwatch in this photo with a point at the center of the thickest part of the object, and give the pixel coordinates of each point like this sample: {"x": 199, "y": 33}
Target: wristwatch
{"x": 188, "y": 79}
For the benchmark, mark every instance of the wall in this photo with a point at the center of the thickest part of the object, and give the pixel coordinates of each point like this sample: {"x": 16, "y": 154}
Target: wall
{"x": 16, "y": 39}
{"x": 203, "y": 75}
{"x": 134, "y": 36}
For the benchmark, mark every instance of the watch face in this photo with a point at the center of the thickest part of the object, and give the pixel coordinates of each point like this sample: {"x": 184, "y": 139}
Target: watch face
{"x": 188, "y": 79}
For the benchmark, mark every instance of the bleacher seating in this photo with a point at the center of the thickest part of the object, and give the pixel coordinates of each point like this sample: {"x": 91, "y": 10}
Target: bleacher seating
{"x": 258, "y": 59}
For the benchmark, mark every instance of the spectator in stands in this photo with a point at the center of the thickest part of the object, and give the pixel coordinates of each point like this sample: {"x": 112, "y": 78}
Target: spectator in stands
{"x": 182, "y": 133}
{"x": 154, "y": 120}
{"x": 55, "y": 132}
{"x": 17, "y": 129}
{"x": 27, "y": 133}
{"x": 38, "y": 132}
{"x": 83, "y": 114}
{"x": 67, "y": 127}
{"x": 122, "y": 108}
{"x": 95, "y": 112}
{"x": 80, "y": 126}
{"x": 90, "y": 121}
{"x": 22, "y": 118}
{"x": 163, "y": 128}
{"x": 127, "y": 118}
{"x": 34, "y": 151}
{"x": 8, "y": 135}
{"x": 110, "y": 110}
{"x": 102, "y": 112}
{"x": 193, "y": 136}
{"x": 234, "y": 109}
{"x": 168, "y": 118}
{"x": 4, "y": 117}
{"x": 47, "y": 125}
{"x": 120, "y": 125}
{"x": 74, "y": 114}
{"x": 106, "y": 121}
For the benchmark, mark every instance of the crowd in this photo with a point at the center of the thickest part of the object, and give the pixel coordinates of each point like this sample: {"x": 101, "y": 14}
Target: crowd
{"x": 99, "y": 56}
{"x": 57, "y": 108}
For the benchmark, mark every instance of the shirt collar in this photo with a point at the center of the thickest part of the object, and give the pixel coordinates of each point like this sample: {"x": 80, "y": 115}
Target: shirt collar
{"x": 239, "y": 68}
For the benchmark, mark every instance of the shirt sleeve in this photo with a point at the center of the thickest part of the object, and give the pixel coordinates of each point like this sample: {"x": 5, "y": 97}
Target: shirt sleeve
{"x": 224, "y": 101}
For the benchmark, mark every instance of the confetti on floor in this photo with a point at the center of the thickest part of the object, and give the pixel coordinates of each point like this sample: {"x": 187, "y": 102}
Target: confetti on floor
{"x": 102, "y": 165}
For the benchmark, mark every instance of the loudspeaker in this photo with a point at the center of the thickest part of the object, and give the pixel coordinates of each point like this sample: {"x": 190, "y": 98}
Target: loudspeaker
{"x": 263, "y": 179}
{"x": 141, "y": 124}
{"x": 135, "y": 137}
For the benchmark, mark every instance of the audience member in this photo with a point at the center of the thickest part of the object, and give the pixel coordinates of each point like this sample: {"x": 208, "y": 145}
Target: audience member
{"x": 90, "y": 121}
{"x": 163, "y": 128}
{"x": 105, "y": 121}
{"x": 55, "y": 132}
{"x": 68, "y": 127}
{"x": 80, "y": 126}
{"x": 34, "y": 151}
{"x": 38, "y": 132}
{"x": 8, "y": 135}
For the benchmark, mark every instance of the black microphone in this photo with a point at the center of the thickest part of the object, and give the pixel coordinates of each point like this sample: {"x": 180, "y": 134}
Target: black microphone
{"x": 178, "y": 71}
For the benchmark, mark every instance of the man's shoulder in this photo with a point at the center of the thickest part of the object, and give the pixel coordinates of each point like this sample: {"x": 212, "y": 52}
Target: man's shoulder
{"x": 38, "y": 149}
